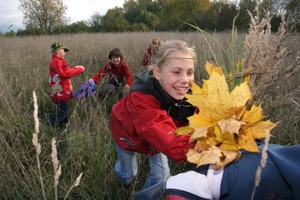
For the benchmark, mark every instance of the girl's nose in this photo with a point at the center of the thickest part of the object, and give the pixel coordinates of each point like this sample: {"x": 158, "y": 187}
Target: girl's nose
{"x": 184, "y": 78}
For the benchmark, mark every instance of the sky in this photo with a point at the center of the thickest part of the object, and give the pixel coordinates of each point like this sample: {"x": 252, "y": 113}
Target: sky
{"x": 11, "y": 17}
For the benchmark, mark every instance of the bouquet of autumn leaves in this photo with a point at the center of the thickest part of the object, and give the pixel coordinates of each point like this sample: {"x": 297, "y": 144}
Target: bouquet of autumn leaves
{"x": 225, "y": 124}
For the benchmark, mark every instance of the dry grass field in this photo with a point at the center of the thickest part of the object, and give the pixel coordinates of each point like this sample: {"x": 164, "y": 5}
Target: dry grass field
{"x": 85, "y": 145}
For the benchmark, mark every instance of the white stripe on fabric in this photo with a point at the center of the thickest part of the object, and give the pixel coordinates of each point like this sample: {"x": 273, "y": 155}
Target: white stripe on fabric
{"x": 192, "y": 182}
{"x": 214, "y": 179}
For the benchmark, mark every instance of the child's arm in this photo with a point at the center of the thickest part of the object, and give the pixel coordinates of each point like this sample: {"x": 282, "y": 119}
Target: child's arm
{"x": 127, "y": 75}
{"x": 156, "y": 127}
{"x": 99, "y": 75}
{"x": 65, "y": 71}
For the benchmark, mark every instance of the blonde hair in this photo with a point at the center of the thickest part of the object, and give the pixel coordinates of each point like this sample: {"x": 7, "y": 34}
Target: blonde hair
{"x": 173, "y": 45}
{"x": 156, "y": 40}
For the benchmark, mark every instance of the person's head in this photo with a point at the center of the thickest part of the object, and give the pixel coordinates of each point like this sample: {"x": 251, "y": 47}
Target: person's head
{"x": 115, "y": 55}
{"x": 59, "y": 49}
{"x": 175, "y": 67}
{"x": 155, "y": 43}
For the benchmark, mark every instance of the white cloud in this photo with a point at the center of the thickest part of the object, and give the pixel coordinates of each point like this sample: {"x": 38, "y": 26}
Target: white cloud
{"x": 10, "y": 15}
{"x": 83, "y": 10}
{"x": 77, "y": 10}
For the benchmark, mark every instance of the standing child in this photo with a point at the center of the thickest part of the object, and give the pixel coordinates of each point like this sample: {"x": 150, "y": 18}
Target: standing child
{"x": 119, "y": 75}
{"x": 60, "y": 83}
{"x": 143, "y": 121}
{"x": 149, "y": 58}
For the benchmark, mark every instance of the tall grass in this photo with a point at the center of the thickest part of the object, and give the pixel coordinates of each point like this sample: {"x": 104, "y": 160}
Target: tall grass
{"x": 85, "y": 145}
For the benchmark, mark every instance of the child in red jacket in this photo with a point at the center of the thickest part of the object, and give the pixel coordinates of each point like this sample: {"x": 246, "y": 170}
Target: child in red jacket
{"x": 119, "y": 75}
{"x": 149, "y": 58}
{"x": 143, "y": 121}
{"x": 60, "y": 83}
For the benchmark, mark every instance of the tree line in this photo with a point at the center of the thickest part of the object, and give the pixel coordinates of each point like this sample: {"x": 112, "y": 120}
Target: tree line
{"x": 49, "y": 16}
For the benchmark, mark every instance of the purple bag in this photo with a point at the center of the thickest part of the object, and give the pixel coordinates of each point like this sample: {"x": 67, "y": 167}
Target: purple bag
{"x": 85, "y": 90}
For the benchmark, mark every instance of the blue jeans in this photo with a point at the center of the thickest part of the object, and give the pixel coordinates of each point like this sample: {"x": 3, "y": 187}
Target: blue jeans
{"x": 126, "y": 169}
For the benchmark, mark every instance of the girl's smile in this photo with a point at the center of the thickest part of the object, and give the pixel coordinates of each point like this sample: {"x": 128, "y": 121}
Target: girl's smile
{"x": 176, "y": 74}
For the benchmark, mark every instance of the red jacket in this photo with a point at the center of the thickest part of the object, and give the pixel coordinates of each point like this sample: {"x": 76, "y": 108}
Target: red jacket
{"x": 147, "y": 57}
{"x": 120, "y": 71}
{"x": 59, "y": 79}
{"x": 139, "y": 124}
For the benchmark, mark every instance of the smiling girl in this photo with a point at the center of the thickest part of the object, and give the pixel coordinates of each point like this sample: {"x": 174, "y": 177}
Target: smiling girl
{"x": 144, "y": 120}
{"x": 120, "y": 78}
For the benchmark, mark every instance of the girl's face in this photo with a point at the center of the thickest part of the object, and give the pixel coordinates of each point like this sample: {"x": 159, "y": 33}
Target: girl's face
{"x": 61, "y": 53}
{"x": 116, "y": 60}
{"x": 155, "y": 46}
{"x": 176, "y": 74}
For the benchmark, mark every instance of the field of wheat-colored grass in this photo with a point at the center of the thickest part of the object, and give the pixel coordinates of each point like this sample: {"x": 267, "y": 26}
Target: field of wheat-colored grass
{"x": 85, "y": 145}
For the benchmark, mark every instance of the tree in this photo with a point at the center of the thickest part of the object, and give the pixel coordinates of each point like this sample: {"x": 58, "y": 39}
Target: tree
{"x": 142, "y": 13}
{"x": 226, "y": 15}
{"x": 176, "y": 13}
{"x": 43, "y": 14}
{"x": 114, "y": 21}
{"x": 243, "y": 19}
{"x": 96, "y": 22}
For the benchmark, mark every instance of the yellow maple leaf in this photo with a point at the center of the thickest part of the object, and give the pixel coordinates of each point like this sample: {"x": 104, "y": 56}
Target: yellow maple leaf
{"x": 253, "y": 115}
{"x": 229, "y": 142}
{"x": 223, "y": 125}
{"x": 204, "y": 157}
{"x": 247, "y": 142}
{"x": 210, "y": 68}
{"x": 198, "y": 133}
{"x": 198, "y": 120}
{"x": 213, "y": 155}
{"x": 196, "y": 90}
{"x": 217, "y": 103}
{"x": 231, "y": 125}
{"x": 228, "y": 157}
{"x": 184, "y": 130}
{"x": 226, "y": 140}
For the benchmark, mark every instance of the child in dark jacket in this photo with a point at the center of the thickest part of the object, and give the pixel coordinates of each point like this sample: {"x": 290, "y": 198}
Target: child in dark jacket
{"x": 60, "y": 83}
{"x": 143, "y": 121}
{"x": 119, "y": 75}
{"x": 279, "y": 179}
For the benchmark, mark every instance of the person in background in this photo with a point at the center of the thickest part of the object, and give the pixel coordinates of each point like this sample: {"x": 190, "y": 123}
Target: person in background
{"x": 143, "y": 121}
{"x": 119, "y": 75}
{"x": 60, "y": 83}
{"x": 149, "y": 58}
{"x": 279, "y": 179}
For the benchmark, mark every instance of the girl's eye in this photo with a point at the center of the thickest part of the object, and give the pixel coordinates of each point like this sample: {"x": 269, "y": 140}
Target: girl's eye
{"x": 176, "y": 72}
{"x": 190, "y": 73}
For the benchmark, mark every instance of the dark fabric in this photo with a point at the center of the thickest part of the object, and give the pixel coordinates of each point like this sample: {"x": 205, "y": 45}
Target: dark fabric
{"x": 280, "y": 178}
{"x": 61, "y": 116}
{"x": 202, "y": 169}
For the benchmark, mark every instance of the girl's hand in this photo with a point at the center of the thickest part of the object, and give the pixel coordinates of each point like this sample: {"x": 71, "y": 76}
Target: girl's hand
{"x": 127, "y": 88}
{"x": 80, "y": 66}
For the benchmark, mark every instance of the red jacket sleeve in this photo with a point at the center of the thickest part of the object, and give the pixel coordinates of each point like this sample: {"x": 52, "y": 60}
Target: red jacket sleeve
{"x": 98, "y": 76}
{"x": 147, "y": 57}
{"x": 156, "y": 127}
{"x": 127, "y": 74}
{"x": 63, "y": 70}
